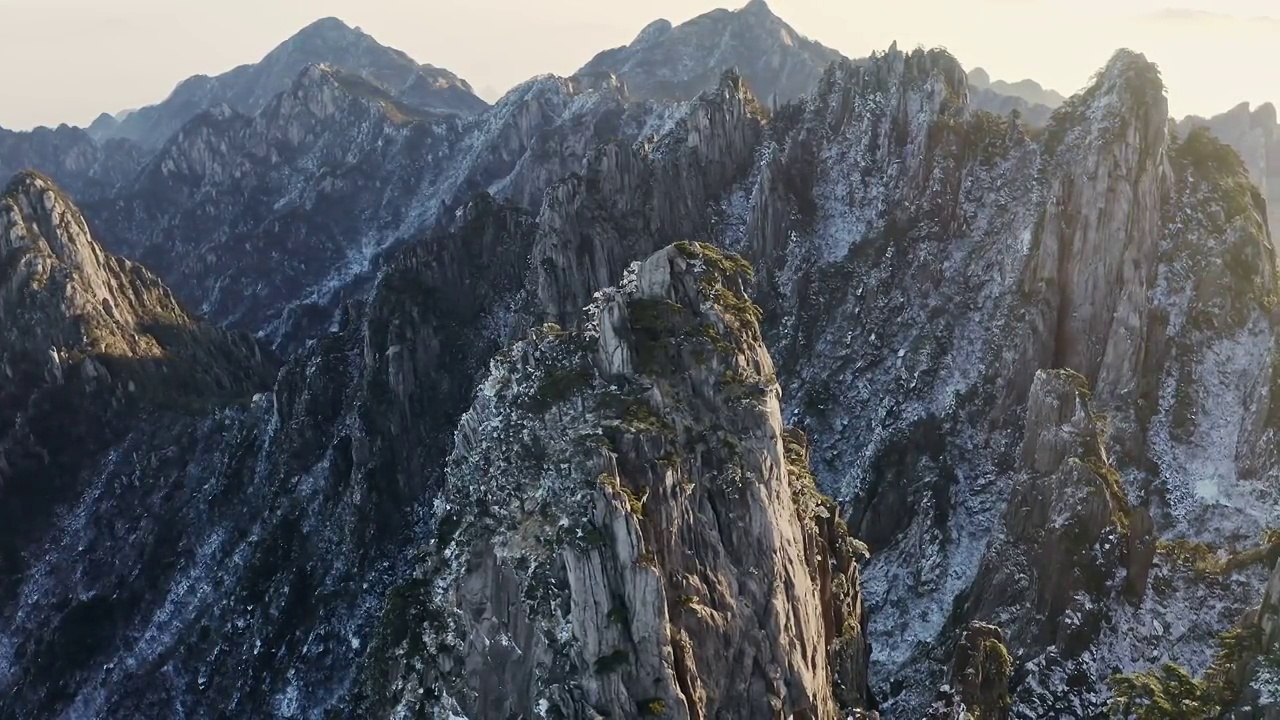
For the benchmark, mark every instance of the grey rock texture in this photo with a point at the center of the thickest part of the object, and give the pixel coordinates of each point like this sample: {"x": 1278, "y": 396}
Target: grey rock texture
{"x": 919, "y": 263}
{"x": 231, "y": 556}
{"x": 980, "y": 675}
{"x": 71, "y": 157}
{"x": 632, "y": 199}
{"x": 627, "y": 530}
{"x": 249, "y": 88}
{"x": 678, "y": 63}
{"x": 1255, "y": 134}
{"x": 291, "y": 211}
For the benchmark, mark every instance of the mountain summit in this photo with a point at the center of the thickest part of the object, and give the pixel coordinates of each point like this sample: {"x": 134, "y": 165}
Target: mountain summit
{"x": 677, "y": 63}
{"x": 248, "y": 88}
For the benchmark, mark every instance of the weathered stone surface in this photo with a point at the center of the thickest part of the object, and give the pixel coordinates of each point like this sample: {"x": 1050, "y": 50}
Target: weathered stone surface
{"x": 630, "y": 201}
{"x": 70, "y": 156}
{"x": 250, "y": 88}
{"x": 669, "y": 552}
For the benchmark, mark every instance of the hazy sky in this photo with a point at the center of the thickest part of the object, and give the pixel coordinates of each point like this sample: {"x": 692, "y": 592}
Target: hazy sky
{"x": 68, "y": 60}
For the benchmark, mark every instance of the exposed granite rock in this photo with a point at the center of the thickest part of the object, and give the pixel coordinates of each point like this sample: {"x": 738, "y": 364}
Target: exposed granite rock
{"x": 678, "y": 63}
{"x": 1063, "y": 552}
{"x": 1253, "y": 671}
{"x": 920, "y": 263}
{"x": 250, "y": 88}
{"x": 928, "y": 273}
{"x": 980, "y": 674}
{"x": 90, "y": 341}
{"x": 290, "y": 212}
{"x": 627, "y": 530}
{"x": 631, "y": 200}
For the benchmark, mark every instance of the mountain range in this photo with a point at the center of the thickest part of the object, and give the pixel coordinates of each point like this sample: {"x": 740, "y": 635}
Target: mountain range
{"x": 728, "y": 377}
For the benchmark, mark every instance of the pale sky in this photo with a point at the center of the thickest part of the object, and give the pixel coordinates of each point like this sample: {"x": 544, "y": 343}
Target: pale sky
{"x": 68, "y": 60}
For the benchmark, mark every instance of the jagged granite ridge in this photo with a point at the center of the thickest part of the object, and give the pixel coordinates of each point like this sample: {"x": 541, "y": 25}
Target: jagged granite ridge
{"x": 82, "y": 167}
{"x": 626, "y": 529}
{"x": 1255, "y": 134}
{"x": 920, "y": 262}
{"x": 295, "y": 208}
{"x": 249, "y": 88}
{"x": 231, "y": 558}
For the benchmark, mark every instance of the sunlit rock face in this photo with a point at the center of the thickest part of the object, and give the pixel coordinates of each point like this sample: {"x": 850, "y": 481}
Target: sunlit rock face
{"x": 651, "y": 542}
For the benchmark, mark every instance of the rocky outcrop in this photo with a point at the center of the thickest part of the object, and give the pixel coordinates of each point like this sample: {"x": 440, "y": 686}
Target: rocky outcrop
{"x": 232, "y": 555}
{"x": 250, "y": 88}
{"x": 678, "y": 63}
{"x": 980, "y": 674}
{"x": 920, "y": 264}
{"x": 1255, "y": 134}
{"x": 84, "y": 168}
{"x": 628, "y": 531}
{"x": 631, "y": 200}
{"x": 935, "y": 283}
{"x": 89, "y": 342}
{"x": 1064, "y": 549}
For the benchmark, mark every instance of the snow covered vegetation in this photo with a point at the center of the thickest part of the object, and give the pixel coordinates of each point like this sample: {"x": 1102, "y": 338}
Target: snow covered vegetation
{"x": 804, "y": 390}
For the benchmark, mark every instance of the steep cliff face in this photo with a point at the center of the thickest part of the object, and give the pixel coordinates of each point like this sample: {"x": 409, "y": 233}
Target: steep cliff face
{"x": 233, "y": 555}
{"x": 1034, "y": 366}
{"x": 929, "y": 260}
{"x": 678, "y": 63}
{"x": 249, "y": 88}
{"x": 630, "y": 200}
{"x": 290, "y": 211}
{"x": 627, "y": 530}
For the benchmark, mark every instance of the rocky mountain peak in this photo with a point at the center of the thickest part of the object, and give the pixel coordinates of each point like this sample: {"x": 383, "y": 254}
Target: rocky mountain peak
{"x": 652, "y": 32}
{"x": 68, "y": 298}
{"x": 676, "y": 63}
{"x": 249, "y": 88}
{"x": 327, "y": 29}
{"x": 604, "y": 456}
{"x": 36, "y": 217}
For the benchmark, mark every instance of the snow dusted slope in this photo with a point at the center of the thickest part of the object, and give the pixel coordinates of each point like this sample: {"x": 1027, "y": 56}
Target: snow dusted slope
{"x": 920, "y": 264}
{"x": 945, "y": 259}
{"x": 1255, "y": 134}
{"x": 1034, "y": 366}
{"x": 249, "y": 88}
{"x": 230, "y": 552}
{"x": 283, "y": 214}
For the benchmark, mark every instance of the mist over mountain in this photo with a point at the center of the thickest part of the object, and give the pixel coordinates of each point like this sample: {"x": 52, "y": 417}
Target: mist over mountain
{"x": 728, "y": 377}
